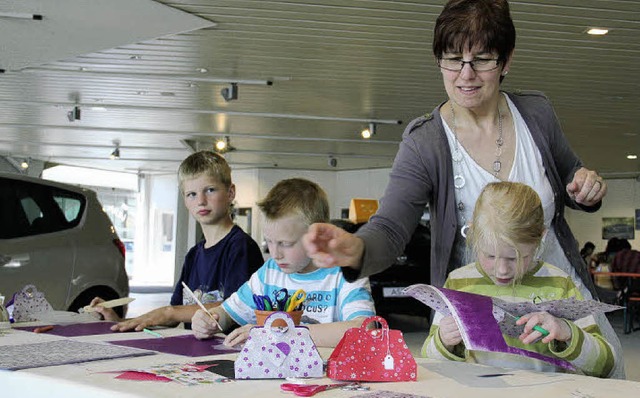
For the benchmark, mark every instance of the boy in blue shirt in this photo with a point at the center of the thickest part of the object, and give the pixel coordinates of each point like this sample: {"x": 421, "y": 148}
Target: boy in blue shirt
{"x": 215, "y": 267}
{"x": 332, "y": 304}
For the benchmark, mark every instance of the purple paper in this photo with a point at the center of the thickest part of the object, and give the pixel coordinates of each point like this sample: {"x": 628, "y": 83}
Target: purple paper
{"x": 76, "y": 329}
{"x": 186, "y": 345}
{"x": 475, "y": 316}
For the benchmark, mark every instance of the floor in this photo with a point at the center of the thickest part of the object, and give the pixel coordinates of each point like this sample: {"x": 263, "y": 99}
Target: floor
{"x": 414, "y": 328}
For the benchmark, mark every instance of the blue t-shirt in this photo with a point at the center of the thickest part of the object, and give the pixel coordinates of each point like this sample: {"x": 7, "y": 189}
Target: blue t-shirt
{"x": 216, "y": 272}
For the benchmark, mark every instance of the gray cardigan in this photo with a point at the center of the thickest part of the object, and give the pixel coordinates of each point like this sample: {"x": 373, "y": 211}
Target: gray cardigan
{"x": 422, "y": 174}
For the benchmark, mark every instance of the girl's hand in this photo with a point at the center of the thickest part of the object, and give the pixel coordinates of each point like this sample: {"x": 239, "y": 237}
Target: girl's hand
{"x": 558, "y": 328}
{"x": 238, "y": 336}
{"x": 449, "y": 332}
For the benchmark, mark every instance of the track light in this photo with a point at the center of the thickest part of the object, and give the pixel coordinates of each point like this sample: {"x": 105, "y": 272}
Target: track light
{"x": 224, "y": 145}
{"x": 116, "y": 152}
{"x": 74, "y": 114}
{"x": 367, "y": 133}
{"x": 24, "y": 164}
{"x": 221, "y": 145}
{"x": 230, "y": 93}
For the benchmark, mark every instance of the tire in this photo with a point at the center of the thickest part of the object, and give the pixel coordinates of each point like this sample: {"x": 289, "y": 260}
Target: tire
{"x": 98, "y": 291}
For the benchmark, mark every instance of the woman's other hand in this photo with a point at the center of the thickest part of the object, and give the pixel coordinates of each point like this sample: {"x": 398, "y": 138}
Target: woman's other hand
{"x": 329, "y": 246}
{"x": 587, "y": 187}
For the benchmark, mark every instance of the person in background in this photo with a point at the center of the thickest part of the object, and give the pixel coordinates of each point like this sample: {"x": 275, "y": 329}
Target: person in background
{"x": 479, "y": 135}
{"x": 505, "y": 234}
{"x": 216, "y": 266}
{"x": 586, "y": 252}
{"x": 332, "y": 304}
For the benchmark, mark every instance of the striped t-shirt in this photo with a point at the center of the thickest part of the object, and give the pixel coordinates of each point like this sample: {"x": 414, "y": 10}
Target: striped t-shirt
{"x": 330, "y": 298}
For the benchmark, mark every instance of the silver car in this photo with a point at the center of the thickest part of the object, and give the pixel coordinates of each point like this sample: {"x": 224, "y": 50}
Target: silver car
{"x": 57, "y": 237}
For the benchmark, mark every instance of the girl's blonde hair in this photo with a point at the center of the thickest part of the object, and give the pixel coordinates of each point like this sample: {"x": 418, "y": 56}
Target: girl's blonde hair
{"x": 509, "y": 213}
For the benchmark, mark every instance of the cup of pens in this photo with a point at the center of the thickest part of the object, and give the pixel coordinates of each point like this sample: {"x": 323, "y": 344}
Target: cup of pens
{"x": 261, "y": 315}
{"x": 282, "y": 302}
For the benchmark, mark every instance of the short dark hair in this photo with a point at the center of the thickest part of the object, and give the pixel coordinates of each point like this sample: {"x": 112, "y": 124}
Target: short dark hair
{"x": 464, "y": 24}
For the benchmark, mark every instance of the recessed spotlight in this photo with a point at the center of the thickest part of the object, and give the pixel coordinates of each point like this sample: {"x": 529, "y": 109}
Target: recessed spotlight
{"x": 202, "y": 70}
{"x": 221, "y": 145}
{"x": 597, "y": 31}
{"x": 135, "y": 57}
{"x": 632, "y": 157}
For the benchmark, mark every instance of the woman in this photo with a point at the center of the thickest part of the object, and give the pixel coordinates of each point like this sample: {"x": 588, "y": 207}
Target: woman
{"x": 479, "y": 135}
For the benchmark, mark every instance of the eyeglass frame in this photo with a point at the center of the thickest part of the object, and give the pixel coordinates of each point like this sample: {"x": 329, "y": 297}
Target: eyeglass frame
{"x": 462, "y": 62}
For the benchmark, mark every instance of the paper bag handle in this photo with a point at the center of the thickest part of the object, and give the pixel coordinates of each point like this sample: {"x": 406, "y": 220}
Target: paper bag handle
{"x": 279, "y": 315}
{"x": 375, "y": 318}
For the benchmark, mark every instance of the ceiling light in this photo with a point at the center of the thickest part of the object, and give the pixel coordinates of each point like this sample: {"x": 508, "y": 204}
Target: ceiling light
{"x": 74, "y": 114}
{"x": 220, "y": 145}
{"x": 21, "y": 15}
{"x": 230, "y": 93}
{"x": 632, "y": 157}
{"x": 24, "y": 164}
{"x": 597, "y": 31}
{"x": 367, "y": 133}
{"x": 223, "y": 146}
{"x": 116, "y": 152}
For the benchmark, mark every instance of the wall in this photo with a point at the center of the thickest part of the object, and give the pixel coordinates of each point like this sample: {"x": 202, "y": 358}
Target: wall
{"x": 623, "y": 198}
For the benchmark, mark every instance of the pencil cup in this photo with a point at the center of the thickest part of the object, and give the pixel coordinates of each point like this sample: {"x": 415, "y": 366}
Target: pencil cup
{"x": 262, "y": 315}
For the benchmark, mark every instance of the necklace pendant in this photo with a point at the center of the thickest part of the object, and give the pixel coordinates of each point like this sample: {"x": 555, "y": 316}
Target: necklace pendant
{"x": 458, "y": 181}
{"x": 497, "y": 165}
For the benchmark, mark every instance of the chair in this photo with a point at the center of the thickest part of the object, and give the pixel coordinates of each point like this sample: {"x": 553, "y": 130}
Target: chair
{"x": 627, "y": 262}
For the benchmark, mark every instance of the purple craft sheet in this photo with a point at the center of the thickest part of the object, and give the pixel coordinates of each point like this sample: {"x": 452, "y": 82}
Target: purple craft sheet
{"x": 474, "y": 314}
{"x": 76, "y": 329}
{"x": 186, "y": 345}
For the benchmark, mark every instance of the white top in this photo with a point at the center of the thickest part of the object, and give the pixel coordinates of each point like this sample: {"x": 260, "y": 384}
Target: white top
{"x": 528, "y": 169}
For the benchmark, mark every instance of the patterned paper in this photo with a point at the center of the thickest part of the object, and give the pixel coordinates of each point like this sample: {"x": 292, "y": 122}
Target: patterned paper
{"x": 478, "y": 320}
{"x": 372, "y": 355}
{"x": 61, "y": 352}
{"x": 277, "y": 353}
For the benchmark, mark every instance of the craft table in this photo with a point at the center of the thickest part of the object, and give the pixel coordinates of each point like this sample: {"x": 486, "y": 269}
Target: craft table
{"x": 436, "y": 379}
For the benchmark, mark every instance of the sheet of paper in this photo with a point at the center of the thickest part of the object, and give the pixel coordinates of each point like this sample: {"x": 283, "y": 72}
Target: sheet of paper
{"x": 61, "y": 352}
{"x": 186, "y": 345}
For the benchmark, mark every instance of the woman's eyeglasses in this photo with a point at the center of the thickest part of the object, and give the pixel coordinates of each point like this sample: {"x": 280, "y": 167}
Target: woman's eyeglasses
{"x": 478, "y": 64}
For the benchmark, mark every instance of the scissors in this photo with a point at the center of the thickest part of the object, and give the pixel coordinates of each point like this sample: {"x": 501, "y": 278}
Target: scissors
{"x": 280, "y": 299}
{"x": 296, "y": 299}
{"x": 263, "y": 303}
{"x": 308, "y": 390}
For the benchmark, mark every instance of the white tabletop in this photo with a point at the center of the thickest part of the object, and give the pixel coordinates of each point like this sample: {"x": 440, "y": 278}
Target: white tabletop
{"x": 436, "y": 379}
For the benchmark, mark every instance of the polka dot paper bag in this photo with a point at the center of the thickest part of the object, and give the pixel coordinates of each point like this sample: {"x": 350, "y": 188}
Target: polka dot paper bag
{"x": 273, "y": 352}
{"x": 372, "y": 355}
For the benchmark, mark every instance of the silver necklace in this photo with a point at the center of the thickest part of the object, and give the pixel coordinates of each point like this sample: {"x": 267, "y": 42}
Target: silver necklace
{"x": 458, "y": 179}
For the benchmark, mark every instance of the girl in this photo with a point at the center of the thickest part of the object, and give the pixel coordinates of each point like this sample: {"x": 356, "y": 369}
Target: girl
{"x": 506, "y": 237}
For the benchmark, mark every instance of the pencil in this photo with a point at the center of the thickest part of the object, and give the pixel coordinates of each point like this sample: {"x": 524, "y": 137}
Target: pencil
{"x": 193, "y": 296}
{"x": 151, "y": 332}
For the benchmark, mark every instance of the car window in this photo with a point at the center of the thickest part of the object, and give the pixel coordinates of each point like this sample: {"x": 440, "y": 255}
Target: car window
{"x": 28, "y": 208}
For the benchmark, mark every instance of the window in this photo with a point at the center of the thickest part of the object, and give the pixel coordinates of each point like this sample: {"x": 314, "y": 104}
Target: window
{"x": 28, "y": 208}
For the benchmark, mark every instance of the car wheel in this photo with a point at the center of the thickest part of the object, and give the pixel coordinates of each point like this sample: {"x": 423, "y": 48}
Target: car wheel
{"x": 85, "y": 299}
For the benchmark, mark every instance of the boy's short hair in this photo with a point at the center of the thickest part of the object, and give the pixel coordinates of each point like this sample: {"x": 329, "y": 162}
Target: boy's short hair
{"x": 296, "y": 196}
{"x": 205, "y": 162}
{"x": 508, "y": 212}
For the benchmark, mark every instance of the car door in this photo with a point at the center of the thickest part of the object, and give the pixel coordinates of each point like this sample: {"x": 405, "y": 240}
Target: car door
{"x": 34, "y": 244}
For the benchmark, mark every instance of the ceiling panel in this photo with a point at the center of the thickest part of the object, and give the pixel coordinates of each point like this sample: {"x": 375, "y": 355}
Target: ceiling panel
{"x": 334, "y": 66}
